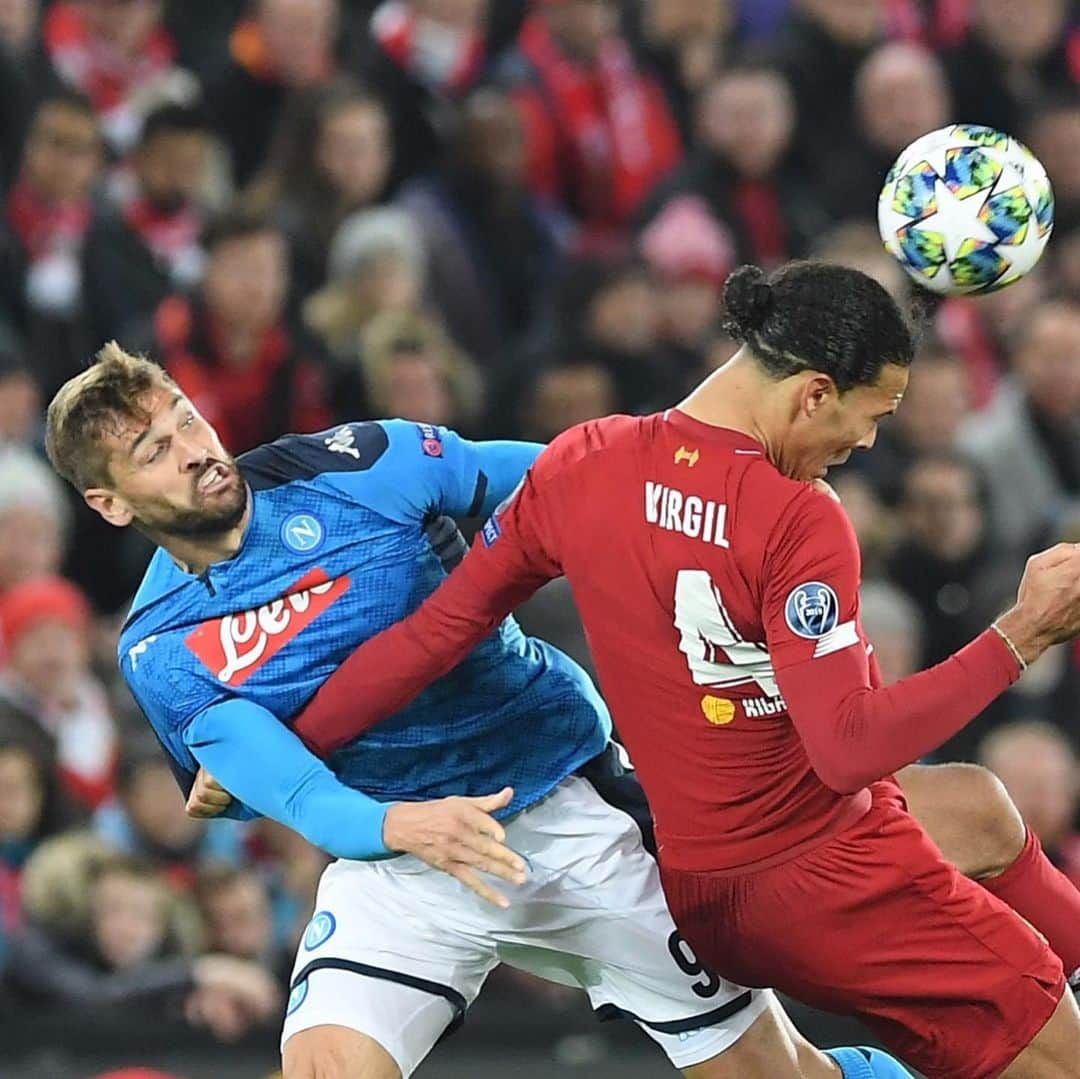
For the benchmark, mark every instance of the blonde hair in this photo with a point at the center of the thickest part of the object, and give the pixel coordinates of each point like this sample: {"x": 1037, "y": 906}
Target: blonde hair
{"x": 111, "y": 390}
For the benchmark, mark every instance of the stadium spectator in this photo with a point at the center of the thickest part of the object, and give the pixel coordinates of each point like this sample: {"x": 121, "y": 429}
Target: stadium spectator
{"x": 33, "y": 518}
{"x": 412, "y": 369}
{"x": 120, "y": 57}
{"x": 1028, "y": 441}
{"x": 682, "y": 43}
{"x": 856, "y": 243}
{"x": 282, "y": 47}
{"x": 105, "y": 932}
{"x": 423, "y": 57}
{"x": 1054, "y": 137}
{"x": 740, "y": 168}
{"x": 149, "y": 244}
{"x": 231, "y": 347}
{"x": 564, "y": 393}
{"x": 821, "y": 48}
{"x": 493, "y": 247}
{"x": 873, "y": 522}
{"x": 599, "y": 131}
{"x": 47, "y": 215}
{"x": 46, "y": 635}
{"x": 20, "y": 401}
{"x": 894, "y": 626}
{"x": 238, "y": 917}
{"x": 1040, "y": 769}
{"x": 330, "y": 157}
{"x": 1013, "y": 55}
{"x": 377, "y": 263}
{"x": 146, "y": 820}
{"x": 32, "y": 808}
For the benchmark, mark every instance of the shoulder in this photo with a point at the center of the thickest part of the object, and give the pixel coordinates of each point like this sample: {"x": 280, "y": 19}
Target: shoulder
{"x": 349, "y": 447}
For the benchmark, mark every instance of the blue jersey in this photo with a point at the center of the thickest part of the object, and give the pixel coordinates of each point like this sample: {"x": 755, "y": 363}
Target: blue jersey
{"x": 336, "y": 551}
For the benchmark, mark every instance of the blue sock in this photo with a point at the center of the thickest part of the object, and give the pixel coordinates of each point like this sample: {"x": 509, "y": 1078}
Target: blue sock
{"x": 864, "y": 1063}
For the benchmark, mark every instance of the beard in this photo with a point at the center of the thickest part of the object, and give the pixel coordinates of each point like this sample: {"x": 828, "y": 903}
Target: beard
{"x": 208, "y": 517}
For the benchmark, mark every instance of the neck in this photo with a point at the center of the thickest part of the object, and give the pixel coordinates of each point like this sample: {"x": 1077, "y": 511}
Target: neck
{"x": 196, "y": 554}
{"x": 733, "y": 397}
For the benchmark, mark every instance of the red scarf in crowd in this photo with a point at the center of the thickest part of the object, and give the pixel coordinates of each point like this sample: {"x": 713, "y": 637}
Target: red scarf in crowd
{"x": 616, "y": 119}
{"x": 436, "y": 56}
{"x": 45, "y": 228}
{"x": 93, "y": 67}
{"x": 944, "y": 26}
{"x": 173, "y": 238}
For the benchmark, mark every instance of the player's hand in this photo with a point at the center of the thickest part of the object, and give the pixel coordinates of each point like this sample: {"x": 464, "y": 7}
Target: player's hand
{"x": 208, "y": 798}
{"x": 460, "y": 837}
{"x": 1047, "y": 609}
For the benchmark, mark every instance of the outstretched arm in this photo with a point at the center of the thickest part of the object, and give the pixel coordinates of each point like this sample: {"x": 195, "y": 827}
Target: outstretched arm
{"x": 507, "y": 564}
{"x": 261, "y": 762}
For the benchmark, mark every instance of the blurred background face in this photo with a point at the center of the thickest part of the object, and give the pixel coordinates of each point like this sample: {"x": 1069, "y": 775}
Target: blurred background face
{"x": 625, "y": 314}
{"x": 1055, "y": 141}
{"x": 172, "y": 168}
{"x": 941, "y": 510}
{"x": 416, "y": 389}
{"x": 353, "y": 152}
{"x": 299, "y": 36}
{"x": 935, "y": 405}
{"x": 493, "y": 141}
{"x": 676, "y": 21}
{"x": 239, "y": 918}
{"x": 128, "y": 918}
{"x": 20, "y": 407}
{"x": 246, "y": 281}
{"x": 388, "y": 282}
{"x": 51, "y": 658}
{"x": 22, "y": 795}
{"x": 689, "y": 309}
{"x": 124, "y": 24}
{"x": 564, "y": 396}
{"x": 63, "y": 154}
{"x": 18, "y": 20}
{"x": 156, "y": 807}
{"x": 1040, "y": 773}
{"x": 582, "y": 26}
{"x": 852, "y": 22}
{"x": 1048, "y": 361}
{"x": 901, "y": 93}
{"x": 748, "y": 118}
{"x": 1020, "y": 32}
{"x": 31, "y": 545}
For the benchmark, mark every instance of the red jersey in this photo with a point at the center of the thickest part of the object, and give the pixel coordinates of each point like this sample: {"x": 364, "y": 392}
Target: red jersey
{"x": 720, "y": 600}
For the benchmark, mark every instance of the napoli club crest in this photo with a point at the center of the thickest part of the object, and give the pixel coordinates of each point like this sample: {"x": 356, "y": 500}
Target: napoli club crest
{"x": 812, "y": 610}
{"x": 319, "y": 930}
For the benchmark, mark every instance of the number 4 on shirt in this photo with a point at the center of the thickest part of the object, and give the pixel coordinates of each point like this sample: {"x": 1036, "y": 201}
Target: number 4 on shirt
{"x": 715, "y": 653}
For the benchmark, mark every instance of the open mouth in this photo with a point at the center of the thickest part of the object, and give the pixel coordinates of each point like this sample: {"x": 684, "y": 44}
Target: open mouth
{"x": 214, "y": 479}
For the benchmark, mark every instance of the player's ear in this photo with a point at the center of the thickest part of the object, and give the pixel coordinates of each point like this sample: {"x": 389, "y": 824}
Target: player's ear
{"x": 110, "y": 505}
{"x": 817, "y": 392}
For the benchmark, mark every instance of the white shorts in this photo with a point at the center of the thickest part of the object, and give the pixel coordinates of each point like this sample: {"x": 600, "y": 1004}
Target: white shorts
{"x": 398, "y": 951}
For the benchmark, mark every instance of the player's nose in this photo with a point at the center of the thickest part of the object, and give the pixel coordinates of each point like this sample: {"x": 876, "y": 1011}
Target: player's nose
{"x": 867, "y": 440}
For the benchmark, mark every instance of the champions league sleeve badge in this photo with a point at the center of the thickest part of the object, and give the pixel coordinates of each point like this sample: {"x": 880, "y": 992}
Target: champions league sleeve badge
{"x": 812, "y": 610}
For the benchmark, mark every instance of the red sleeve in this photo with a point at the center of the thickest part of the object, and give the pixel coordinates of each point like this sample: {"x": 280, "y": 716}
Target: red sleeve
{"x": 507, "y": 564}
{"x": 854, "y": 731}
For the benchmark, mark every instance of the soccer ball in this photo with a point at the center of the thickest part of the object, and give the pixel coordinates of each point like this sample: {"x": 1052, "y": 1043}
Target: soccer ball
{"x": 966, "y": 209}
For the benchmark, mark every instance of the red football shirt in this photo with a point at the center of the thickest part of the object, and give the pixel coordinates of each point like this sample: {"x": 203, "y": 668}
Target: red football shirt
{"x": 720, "y": 600}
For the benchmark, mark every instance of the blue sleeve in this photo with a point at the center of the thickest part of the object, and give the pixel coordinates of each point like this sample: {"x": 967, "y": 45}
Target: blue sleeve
{"x": 412, "y": 471}
{"x": 260, "y": 761}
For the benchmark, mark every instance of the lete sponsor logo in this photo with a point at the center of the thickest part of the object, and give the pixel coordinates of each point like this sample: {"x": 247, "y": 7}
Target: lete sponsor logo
{"x": 236, "y": 646}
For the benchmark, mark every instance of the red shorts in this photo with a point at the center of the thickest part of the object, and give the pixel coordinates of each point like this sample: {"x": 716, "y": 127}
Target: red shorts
{"x": 875, "y": 923}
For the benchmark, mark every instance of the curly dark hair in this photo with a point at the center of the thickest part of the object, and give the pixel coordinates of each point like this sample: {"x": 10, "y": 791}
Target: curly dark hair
{"x": 816, "y": 316}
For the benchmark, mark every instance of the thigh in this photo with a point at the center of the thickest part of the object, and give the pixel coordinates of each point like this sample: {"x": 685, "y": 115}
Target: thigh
{"x": 596, "y": 917}
{"x": 388, "y": 954}
{"x": 877, "y": 924}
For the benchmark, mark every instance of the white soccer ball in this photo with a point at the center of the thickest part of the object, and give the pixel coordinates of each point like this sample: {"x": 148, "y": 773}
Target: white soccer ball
{"x": 966, "y": 209}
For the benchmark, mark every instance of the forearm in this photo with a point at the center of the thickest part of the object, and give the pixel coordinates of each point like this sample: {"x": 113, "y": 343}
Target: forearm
{"x": 855, "y": 734}
{"x": 268, "y": 768}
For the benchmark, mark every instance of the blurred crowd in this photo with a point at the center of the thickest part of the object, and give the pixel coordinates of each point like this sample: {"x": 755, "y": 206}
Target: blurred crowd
{"x": 508, "y": 217}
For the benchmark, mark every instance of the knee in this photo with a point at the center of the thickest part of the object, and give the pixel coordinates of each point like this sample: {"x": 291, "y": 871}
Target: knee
{"x": 993, "y": 823}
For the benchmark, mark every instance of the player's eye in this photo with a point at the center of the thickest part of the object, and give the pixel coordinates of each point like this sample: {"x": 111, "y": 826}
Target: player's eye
{"x": 188, "y": 420}
{"x": 159, "y": 449}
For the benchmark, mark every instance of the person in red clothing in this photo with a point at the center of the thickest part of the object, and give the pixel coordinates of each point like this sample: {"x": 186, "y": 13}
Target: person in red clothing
{"x": 718, "y": 584}
{"x": 230, "y": 348}
{"x": 598, "y": 131}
